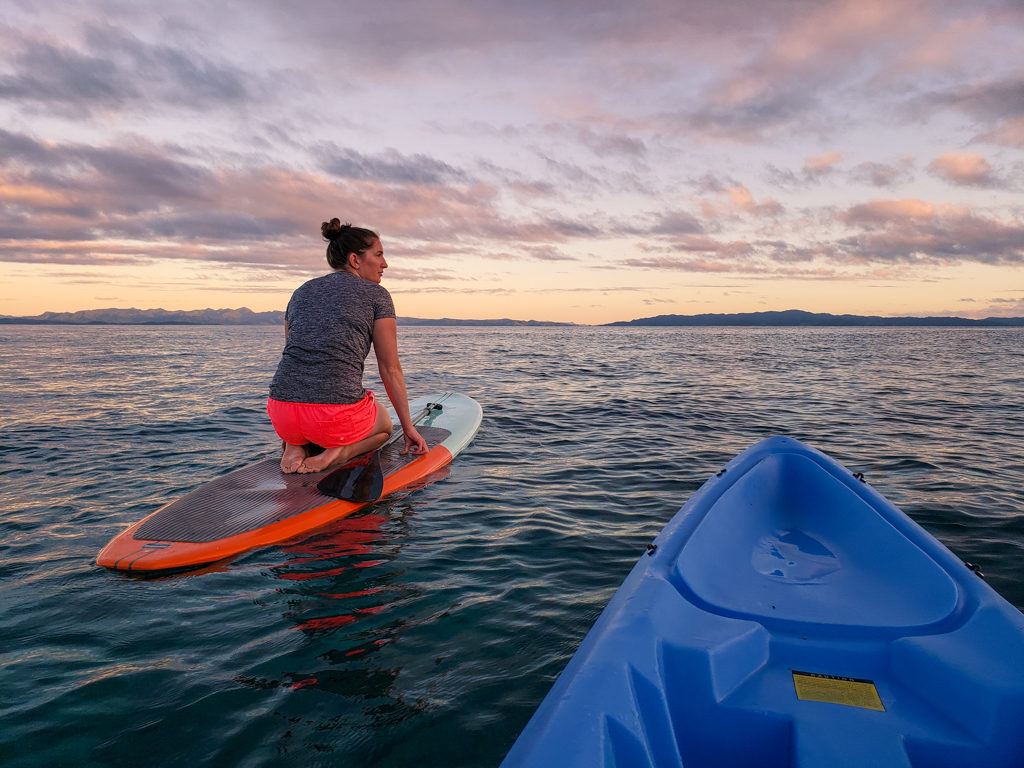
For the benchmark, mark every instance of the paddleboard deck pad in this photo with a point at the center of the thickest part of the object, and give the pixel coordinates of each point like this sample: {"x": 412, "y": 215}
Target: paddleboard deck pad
{"x": 259, "y": 505}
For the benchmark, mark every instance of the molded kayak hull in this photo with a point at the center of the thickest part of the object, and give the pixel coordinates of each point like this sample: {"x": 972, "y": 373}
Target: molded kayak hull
{"x": 790, "y": 616}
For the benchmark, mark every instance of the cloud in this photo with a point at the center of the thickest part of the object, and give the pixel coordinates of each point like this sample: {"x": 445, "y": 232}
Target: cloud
{"x": 800, "y": 59}
{"x": 893, "y": 235}
{"x": 814, "y": 169}
{"x": 883, "y": 174}
{"x": 880, "y": 213}
{"x": 389, "y": 166}
{"x": 446, "y": 289}
{"x": 676, "y": 223}
{"x": 138, "y": 173}
{"x": 546, "y": 253}
{"x": 421, "y": 275}
{"x": 528, "y": 253}
{"x": 1009, "y": 132}
{"x": 913, "y": 231}
{"x": 603, "y": 143}
{"x": 678, "y": 264}
{"x": 997, "y": 103}
{"x": 965, "y": 169}
{"x": 588, "y": 179}
{"x": 821, "y": 165}
{"x": 757, "y": 116}
{"x": 1001, "y": 307}
{"x": 113, "y": 69}
{"x": 997, "y": 99}
{"x": 740, "y": 267}
{"x": 77, "y": 203}
{"x": 400, "y": 37}
{"x": 610, "y": 145}
{"x": 738, "y": 199}
{"x": 709, "y": 246}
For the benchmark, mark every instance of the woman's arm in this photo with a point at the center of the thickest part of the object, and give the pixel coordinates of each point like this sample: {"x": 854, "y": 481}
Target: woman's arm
{"x": 385, "y": 346}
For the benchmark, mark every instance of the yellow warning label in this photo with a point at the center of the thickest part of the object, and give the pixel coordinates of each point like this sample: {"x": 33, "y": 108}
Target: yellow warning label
{"x": 837, "y": 690}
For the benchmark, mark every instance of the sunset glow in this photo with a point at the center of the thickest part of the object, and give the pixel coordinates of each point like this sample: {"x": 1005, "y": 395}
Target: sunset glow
{"x": 584, "y": 162}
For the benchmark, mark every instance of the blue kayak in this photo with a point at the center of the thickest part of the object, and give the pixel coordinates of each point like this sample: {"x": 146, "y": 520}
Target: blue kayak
{"x": 789, "y": 615}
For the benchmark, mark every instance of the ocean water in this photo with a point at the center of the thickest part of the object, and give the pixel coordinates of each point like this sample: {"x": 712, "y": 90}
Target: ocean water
{"x": 426, "y": 631}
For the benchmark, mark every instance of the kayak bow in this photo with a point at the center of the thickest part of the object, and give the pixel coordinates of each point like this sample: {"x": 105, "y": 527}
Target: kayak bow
{"x": 789, "y": 615}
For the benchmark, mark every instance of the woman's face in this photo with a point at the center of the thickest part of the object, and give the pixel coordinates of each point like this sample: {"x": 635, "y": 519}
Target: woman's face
{"x": 370, "y": 264}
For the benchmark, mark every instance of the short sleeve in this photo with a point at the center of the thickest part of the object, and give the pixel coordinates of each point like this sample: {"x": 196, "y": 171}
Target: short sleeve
{"x": 288, "y": 309}
{"x": 383, "y": 306}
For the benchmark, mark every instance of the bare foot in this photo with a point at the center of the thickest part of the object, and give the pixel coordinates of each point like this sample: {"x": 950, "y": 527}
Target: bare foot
{"x": 291, "y": 458}
{"x": 322, "y": 461}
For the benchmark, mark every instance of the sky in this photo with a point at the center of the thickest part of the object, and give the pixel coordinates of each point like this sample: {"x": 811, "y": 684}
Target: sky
{"x": 570, "y": 161}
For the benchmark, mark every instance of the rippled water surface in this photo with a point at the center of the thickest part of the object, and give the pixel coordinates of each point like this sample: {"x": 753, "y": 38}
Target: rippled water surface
{"x": 426, "y": 631}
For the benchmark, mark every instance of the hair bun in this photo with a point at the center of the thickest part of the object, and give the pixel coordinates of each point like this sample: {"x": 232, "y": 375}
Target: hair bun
{"x": 333, "y": 229}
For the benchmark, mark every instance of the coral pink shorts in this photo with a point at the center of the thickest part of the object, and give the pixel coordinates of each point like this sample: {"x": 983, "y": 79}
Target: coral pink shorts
{"x": 329, "y": 425}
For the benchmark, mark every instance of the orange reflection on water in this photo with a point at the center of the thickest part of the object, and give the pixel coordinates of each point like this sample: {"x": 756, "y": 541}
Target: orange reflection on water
{"x": 347, "y": 539}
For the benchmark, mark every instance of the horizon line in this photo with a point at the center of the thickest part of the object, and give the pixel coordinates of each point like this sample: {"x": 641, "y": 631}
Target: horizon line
{"x": 145, "y": 317}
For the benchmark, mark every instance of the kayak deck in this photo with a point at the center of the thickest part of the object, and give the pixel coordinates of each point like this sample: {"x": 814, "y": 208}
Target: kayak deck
{"x": 790, "y": 616}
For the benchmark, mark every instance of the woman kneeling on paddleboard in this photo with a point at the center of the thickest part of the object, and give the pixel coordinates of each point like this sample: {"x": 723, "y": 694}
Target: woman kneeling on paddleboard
{"x": 317, "y": 394}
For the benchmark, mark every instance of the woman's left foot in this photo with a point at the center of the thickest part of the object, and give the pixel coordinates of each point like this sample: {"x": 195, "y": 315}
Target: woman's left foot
{"x": 291, "y": 458}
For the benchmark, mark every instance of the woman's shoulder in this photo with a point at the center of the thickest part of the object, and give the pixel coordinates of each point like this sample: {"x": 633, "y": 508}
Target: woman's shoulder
{"x": 369, "y": 288}
{"x": 381, "y": 291}
{"x": 314, "y": 283}
{"x": 345, "y": 283}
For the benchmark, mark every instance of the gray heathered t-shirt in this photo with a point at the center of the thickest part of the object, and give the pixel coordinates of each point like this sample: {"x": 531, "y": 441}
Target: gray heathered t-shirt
{"x": 330, "y": 329}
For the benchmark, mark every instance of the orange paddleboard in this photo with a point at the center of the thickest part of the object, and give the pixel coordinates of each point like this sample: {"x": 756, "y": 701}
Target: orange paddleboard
{"x": 259, "y": 505}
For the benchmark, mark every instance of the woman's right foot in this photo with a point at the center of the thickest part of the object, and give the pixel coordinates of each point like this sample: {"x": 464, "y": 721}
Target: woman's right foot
{"x": 292, "y": 458}
{"x": 324, "y": 460}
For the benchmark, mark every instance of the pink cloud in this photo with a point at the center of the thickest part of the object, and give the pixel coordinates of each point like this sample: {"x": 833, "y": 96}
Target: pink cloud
{"x": 75, "y": 203}
{"x": 821, "y": 165}
{"x": 738, "y": 199}
{"x": 945, "y": 47}
{"x": 886, "y": 212}
{"x": 1008, "y": 132}
{"x": 964, "y": 168}
{"x": 919, "y": 231}
{"x": 743, "y": 200}
{"x": 818, "y": 43}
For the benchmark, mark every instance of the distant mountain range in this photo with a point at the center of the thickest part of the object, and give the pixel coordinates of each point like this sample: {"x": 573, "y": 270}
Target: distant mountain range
{"x": 244, "y": 316}
{"x": 800, "y": 318}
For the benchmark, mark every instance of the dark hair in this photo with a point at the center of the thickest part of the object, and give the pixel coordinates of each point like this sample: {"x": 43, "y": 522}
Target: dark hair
{"x": 344, "y": 239}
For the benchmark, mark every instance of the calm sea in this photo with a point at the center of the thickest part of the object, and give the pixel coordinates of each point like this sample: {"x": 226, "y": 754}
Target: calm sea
{"x": 426, "y": 631}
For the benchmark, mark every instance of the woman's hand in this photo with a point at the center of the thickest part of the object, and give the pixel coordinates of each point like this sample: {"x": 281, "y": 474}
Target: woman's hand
{"x": 414, "y": 441}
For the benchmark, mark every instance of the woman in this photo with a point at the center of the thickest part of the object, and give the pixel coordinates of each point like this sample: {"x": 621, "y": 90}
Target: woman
{"x": 317, "y": 394}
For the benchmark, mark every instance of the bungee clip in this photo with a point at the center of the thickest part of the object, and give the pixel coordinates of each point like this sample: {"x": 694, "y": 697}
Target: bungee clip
{"x": 975, "y": 568}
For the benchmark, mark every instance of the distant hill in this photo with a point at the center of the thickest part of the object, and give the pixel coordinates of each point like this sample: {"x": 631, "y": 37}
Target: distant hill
{"x": 501, "y": 322}
{"x": 245, "y": 316}
{"x": 241, "y": 316}
{"x": 800, "y": 318}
